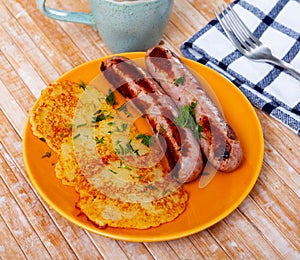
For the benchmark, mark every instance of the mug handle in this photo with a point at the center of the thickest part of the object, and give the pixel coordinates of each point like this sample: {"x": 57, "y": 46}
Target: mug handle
{"x": 73, "y": 17}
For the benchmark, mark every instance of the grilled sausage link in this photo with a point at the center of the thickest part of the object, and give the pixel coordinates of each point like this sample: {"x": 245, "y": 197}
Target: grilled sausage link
{"x": 218, "y": 141}
{"x": 132, "y": 82}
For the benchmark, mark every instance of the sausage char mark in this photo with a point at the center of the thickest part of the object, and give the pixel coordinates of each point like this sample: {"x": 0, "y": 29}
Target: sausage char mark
{"x": 160, "y": 58}
{"x": 128, "y": 70}
{"x": 214, "y": 137}
{"x": 230, "y": 133}
{"x": 172, "y": 150}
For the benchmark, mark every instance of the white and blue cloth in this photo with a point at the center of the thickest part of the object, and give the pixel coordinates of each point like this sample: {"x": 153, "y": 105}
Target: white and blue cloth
{"x": 277, "y": 24}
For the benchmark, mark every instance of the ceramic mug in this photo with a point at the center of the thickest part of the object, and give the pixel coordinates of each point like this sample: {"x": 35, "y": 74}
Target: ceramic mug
{"x": 132, "y": 25}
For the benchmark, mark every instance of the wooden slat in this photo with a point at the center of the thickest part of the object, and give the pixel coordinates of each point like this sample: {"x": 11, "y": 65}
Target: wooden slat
{"x": 251, "y": 237}
{"x": 10, "y": 107}
{"x": 184, "y": 248}
{"x": 231, "y": 243}
{"x": 269, "y": 229}
{"x": 268, "y": 193}
{"x": 15, "y": 86}
{"x": 21, "y": 65}
{"x": 135, "y": 250}
{"x": 9, "y": 247}
{"x": 209, "y": 248}
{"x": 16, "y": 222}
{"x": 109, "y": 248}
{"x": 161, "y": 250}
{"x": 49, "y": 44}
{"x": 19, "y": 36}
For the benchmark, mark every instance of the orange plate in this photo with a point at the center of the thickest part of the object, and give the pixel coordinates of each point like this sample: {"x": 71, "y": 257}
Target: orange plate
{"x": 206, "y": 206}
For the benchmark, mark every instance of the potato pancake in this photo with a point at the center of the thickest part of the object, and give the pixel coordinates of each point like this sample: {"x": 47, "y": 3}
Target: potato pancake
{"x": 115, "y": 169}
{"x": 52, "y": 115}
{"x": 105, "y": 211}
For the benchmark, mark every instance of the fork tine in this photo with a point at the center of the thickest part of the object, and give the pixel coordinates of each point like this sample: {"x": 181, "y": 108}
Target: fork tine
{"x": 233, "y": 26}
{"x": 242, "y": 26}
{"x": 236, "y": 27}
{"x": 228, "y": 32}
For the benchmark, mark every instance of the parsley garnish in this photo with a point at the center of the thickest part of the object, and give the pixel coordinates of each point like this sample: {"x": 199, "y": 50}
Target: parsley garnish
{"x": 76, "y": 136}
{"x": 186, "y": 118}
{"x": 123, "y": 128}
{"x": 146, "y": 139}
{"x": 127, "y": 149}
{"x": 130, "y": 148}
{"x": 124, "y": 109}
{"x": 179, "y": 81}
{"x": 113, "y": 171}
{"x": 47, "y": 154}
{"x": 81, "y": 125}
{"x": 152, "y": 187}
{"x": 100, "y": 116}
{"x": 165, "y": 192}
{"x": 205, "y": 173}
{"x": 82, "y": 85}
{"x": 99, "y": 140}
{"x": 110, "y": 99}
{"x": 123, "y": 166}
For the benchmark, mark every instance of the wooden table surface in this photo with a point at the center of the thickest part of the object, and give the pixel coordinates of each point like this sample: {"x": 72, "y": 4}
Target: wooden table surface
{"x": 34, "y": 51}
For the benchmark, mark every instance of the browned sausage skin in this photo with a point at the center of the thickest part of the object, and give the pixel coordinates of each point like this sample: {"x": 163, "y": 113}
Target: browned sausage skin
{"x": 132, "y": 82}
{"x": 218, "y": 141}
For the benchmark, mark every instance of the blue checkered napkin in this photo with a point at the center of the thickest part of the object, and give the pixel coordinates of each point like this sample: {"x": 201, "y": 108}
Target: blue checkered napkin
{"x": 268, "y": 87}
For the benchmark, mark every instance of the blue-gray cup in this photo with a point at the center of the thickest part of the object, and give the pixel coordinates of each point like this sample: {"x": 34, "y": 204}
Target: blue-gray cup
{"x": 124, "y": 26}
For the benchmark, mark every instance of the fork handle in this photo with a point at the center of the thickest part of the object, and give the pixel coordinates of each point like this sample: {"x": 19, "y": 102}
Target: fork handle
{"x": 285, "y": 65}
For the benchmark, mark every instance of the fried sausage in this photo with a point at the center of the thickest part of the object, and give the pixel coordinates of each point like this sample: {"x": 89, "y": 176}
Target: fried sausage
{"x": 135, "y": 84}
{"x": 218, "y": 141}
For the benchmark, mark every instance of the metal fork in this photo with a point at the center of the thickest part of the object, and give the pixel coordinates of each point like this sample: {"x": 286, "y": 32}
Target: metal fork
{"x": 246, "y": 42}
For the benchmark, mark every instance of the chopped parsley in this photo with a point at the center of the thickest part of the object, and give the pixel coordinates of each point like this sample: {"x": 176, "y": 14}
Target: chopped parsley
{"x": 186, "y": 118}
{"x": 179, "y": 81}
{"x": 123, "y": 109}
{"x": 99, "y": 116}
{"x": 123, "y": 127}
{"x": 127, "y": 149}
{"x": 82, "y": 85}
{"x": 81, "y": 125}
{"x": 47, "y": 154}
{"x": 99, "y": 140}
{"x": 146, "y": 139}
{"x": 152, "y": 187}
{"x": 76, "y": 136}
{"x": 165, "y": 192}
{"x": 110, "y": 99}
{"x": 130, "y": 148}
{"x": 113, "y": 171}
{"x": 205, "y": 173}
{"x": 123, "y": 166}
